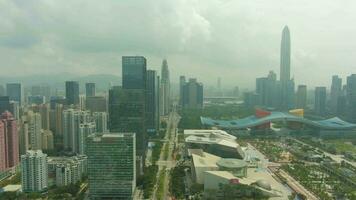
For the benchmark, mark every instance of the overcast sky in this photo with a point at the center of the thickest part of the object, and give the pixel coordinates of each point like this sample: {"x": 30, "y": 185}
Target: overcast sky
{"x": 237, "y": 40}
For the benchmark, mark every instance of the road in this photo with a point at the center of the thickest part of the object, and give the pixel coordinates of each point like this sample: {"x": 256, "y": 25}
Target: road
{"x": 166, "y": 161}
{"x": 296, "y": 186}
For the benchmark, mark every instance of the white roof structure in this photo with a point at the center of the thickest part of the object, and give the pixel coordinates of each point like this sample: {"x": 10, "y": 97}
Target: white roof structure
{"x": 207, "y": 160}
{"x": 209, "y": 134}
{"x": 210, "y": 137}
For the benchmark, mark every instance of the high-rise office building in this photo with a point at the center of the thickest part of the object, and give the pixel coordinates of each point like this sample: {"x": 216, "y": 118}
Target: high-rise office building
{"x": 268, "y": 90}
{"x": 193, "y": 94}
{"x": 152, "y": 102}
{"x": 4, "y": 104}
{"x": 34, "y": 171}
{"x": 15, "y": 92}
{"x": 285, "y": 55}
{"x": 301, "y": 97}
{"x": 72, "y": 93}
{"x": 111, "y": 165}
{"x": 2, "y": 90}
{"x": 101, "y": 121}
{"x": 182, "y": 82}
{"x": 287, "y": 85}
{"x": 33, "y": 123}
{"x": 90, "y": 89}
{"x": 71, "y": 120}
{"x": 351, "y": 97}
{"x": 96, "y": 104}
{"x": 165, "y": 89}
{"x": 127, "y": 114}
{"x": 335, "y": 93}
{"x": 9, "y": 141}
{"x": 320, "y": 100}
{"x": 134, "y": 72}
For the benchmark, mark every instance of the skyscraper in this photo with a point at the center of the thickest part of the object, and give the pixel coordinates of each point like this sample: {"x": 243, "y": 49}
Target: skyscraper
{"x": 152, "y": 102}
{"x": 165, "y": 89}
{"x": 15, "y": 92}
{"x": 127, "y": 105}
{"x": 9, "y": 137}
{"x": 285, "y": 56}
{"x": 193, "y": 94}
{"x": 351, "y": 97}
{"x": 320, "y": 100}
{"x": 96, "y": 104}
{"x": 111, "y": 165}
{"x": 181, "y": 85}
{"x": 34, "y": 171}
{"x": 287, "y": 85}
{"x": 72, "y": 93}
{"x": 90, "y": 89}
{"x": 4, "y": 104}
{"x": 335, "y": 93}
{"x": 134, "y": 72}
{"x": 127, "y": 114}
{"x": 301, "y": 97}
{"x": 267, "y": 90}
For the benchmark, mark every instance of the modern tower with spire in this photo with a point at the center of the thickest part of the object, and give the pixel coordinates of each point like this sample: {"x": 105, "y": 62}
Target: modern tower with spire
{"x": 287, "y": 84}
{"x": 165, "y": 89}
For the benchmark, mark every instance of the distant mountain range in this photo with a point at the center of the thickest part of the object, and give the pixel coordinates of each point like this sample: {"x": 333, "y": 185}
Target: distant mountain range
{"x": 103, "y": 81}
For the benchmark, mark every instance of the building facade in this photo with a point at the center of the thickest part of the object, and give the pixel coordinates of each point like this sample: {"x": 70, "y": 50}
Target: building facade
{"x": 193, "y": 94}
{"x": 165, "y": 89}
{"x": 90, "y": 89}
{"x": 72, "y": 93}
{"x": 111, "y": 165}
{"x": 34, "y": 171}
{"x": 9, "y": 149}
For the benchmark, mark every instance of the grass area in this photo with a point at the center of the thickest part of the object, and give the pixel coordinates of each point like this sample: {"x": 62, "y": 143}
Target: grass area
{"x": 149, "y": 179}
{"x": 342, "y": 145}
{"x": 165, "y": 151}
{"x": 320, "y": 181}
{"x": 270, "y": 148}
{"x": 176, "y": 185}
{"x": 156, "y": 151}
{"x": 15, "y": 179}
{"x": 160, "y": 189}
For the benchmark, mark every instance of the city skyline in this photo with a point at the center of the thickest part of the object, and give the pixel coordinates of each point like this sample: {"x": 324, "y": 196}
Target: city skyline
{"x": 188, "y": 43}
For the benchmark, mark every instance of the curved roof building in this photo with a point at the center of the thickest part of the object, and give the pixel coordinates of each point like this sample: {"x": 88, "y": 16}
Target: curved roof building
{"x": 268, "y": 117}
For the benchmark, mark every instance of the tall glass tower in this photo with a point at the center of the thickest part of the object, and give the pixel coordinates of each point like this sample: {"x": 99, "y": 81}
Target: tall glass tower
{"x": 287, "y": 85}
{"x": 285, "y": 56}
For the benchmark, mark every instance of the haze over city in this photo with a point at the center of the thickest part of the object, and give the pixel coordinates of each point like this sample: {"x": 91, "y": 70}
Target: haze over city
{"x": 236, "y": 40}
{"x": 177, "y": 100}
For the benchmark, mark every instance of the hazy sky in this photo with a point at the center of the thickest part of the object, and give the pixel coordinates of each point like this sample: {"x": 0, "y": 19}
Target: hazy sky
{"x": 237, "y": 40}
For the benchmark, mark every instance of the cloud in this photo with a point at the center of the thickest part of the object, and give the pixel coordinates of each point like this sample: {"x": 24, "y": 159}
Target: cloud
{"x": 237, "y": 40}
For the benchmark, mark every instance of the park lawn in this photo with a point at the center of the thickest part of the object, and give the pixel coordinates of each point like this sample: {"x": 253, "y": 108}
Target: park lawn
{"x": 342, "y": 145}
